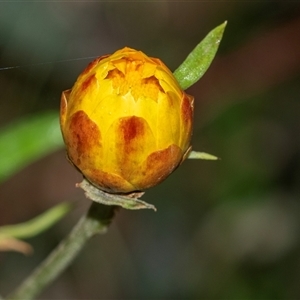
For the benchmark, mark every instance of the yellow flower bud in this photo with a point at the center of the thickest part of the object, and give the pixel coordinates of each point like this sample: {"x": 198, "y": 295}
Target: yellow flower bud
{"x": 126, "y": 122}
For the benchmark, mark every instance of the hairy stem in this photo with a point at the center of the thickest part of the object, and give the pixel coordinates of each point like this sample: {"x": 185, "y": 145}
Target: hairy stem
{"x": 95, "y": 221}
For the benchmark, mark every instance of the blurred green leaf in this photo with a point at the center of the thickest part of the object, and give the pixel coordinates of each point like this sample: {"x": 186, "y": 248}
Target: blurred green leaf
{"x": 199, "y": 60}
{"x": 27, "y": 140}
{"x": 37, "y": 225}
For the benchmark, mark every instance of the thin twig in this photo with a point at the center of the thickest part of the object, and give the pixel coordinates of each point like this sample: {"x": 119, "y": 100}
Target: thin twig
{"x": 96, "y": 221}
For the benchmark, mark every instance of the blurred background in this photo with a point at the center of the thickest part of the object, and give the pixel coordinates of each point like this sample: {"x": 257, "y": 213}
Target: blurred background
{"x": 223, "y": 230}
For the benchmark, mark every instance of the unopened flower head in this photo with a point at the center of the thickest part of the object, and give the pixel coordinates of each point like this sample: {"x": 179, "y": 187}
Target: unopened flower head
{"x": 126, "y": 122}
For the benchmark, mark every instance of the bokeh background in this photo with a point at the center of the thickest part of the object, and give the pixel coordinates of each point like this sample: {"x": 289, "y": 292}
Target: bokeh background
{"x": 223, "y": 230}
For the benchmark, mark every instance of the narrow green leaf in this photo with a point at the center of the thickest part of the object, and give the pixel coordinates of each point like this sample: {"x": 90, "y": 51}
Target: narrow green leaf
{"x": 28, "y": 140}
{"x": 201, "y": 155}
{"x": 37, "y": 225}
{"x": 199, "y": 60}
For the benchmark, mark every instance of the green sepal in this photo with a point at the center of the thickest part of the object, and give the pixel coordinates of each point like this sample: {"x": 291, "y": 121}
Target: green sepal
{"x": 129, "y": 201}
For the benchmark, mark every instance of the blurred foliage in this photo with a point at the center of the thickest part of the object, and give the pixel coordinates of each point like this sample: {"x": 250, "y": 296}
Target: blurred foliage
{"x": 10, "y": 235}
{"x": 225, "y": 230}
{"x": 27, "y": 140}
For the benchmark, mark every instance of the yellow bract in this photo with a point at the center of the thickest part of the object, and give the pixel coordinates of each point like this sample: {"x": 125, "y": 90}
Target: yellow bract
{"x": 126, "y": 123}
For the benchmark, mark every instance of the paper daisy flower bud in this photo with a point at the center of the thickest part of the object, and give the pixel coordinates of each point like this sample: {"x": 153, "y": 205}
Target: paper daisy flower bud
{"x": 126, "y": 122}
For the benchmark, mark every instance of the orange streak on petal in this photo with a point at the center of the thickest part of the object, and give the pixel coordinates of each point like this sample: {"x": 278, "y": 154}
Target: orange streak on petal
{"x": 83, "y": 136}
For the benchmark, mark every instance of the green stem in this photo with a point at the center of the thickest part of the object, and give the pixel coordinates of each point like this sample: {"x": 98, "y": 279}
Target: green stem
{"x": 96, "y": 221}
